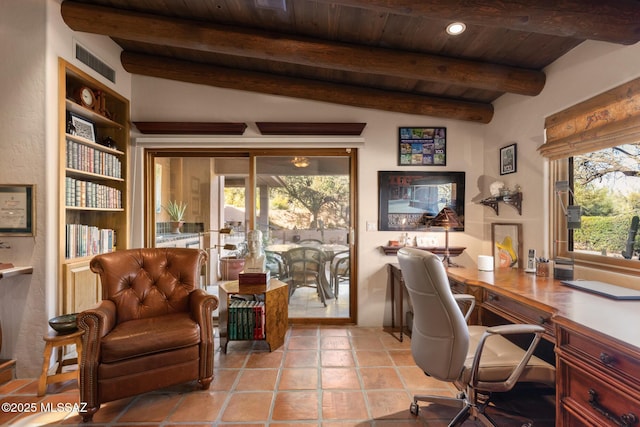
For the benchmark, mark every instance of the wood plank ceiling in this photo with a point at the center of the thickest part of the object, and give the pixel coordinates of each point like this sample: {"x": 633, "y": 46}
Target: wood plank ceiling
{"x": 383, "y": 54}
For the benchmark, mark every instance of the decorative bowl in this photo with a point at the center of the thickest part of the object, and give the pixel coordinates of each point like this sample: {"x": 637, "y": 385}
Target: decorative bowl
{"x": 64, "y": 324}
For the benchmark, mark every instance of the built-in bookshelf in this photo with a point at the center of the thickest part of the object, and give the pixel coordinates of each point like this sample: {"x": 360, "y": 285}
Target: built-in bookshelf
{"x": 94, "y": 146}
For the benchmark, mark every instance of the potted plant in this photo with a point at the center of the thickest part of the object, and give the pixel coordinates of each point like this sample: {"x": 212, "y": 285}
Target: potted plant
{"x": 176, "y": 212}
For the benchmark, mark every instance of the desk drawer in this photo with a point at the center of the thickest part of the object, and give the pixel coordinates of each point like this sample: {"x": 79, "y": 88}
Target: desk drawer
{"x": 457, "y": 287}
{"x": 597, "y": 402}
{"x": 605, "y": 359}
{"x": 517, "y": 312}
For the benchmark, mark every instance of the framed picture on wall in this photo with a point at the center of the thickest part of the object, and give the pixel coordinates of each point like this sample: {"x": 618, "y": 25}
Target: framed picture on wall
{"x": 17, "y": 210}
{"x": 508, "y": 159}
{"x": 408, "y": 201}
{"x": 506, "y": 245}
{"x": 422, "y": 146}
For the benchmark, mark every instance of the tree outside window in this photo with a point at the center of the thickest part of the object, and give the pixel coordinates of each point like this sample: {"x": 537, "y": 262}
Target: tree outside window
{"x": 606, "y": 185}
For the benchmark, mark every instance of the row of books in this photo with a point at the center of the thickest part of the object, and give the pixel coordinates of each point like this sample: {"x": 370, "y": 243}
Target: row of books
{"x": 86, "y": 240}
{"x": 87, "y": 194}
{"x": 246, "y": 320}
{"x": 88, "y": 159}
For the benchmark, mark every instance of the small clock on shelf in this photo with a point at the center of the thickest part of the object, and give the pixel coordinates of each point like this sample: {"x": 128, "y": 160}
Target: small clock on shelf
{"x": 89, "y": 98}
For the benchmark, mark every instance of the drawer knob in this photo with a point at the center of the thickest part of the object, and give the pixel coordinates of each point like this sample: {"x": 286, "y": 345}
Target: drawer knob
{"x": 624, "y": 420}
{"x": 493, "y": 297}
{"x": 606, "y": 359}
{"x": 542, "y": 320}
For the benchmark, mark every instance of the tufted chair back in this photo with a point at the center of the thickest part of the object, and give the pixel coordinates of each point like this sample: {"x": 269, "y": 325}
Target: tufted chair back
{"x": 148, "y": 282}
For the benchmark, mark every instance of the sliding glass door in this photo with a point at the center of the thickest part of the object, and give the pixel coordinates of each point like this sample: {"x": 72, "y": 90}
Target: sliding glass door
{"x": 304, "y": 201}
{"x": 297, "y": 198}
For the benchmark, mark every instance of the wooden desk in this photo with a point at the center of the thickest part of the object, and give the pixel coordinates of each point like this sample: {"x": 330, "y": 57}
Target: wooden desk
{"x": 396, "y": 284}
{"x": 596, "y": 339}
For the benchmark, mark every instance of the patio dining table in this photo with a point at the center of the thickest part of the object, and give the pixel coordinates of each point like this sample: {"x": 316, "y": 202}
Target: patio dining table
{"x": 329, "y": 250}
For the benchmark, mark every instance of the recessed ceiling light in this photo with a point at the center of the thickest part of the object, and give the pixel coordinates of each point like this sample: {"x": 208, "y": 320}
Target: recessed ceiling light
{"x": 456, "y": 28}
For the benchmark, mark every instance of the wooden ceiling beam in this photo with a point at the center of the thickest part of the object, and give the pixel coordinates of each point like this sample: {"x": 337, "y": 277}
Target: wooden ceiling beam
{"x": 127, "y": 25}
{"x": 172, "y": 69}
{"x": 614, "y": 21}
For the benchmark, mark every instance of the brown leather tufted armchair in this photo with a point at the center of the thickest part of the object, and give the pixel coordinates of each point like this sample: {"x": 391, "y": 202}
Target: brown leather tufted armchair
{"x": 152, "y": 329}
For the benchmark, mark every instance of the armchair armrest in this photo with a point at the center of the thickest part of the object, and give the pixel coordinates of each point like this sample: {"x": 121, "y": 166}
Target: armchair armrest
{"x": 465, "y": 298}
{"x": 202, "y": 306}
{"x": 502, "y": 330}
{"x": 96, "y": 322}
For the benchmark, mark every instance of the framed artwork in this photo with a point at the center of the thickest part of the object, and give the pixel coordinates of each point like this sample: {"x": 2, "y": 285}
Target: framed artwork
{"x": 506, "y": 245}
{"x": 422, "y": 146}
{"x": 195, "y": 185}
{"x": 408, "y": 201}
{"x": 17, "y": 210}
{"x": 508, "y": 159}
{"x": 82, "y": 127}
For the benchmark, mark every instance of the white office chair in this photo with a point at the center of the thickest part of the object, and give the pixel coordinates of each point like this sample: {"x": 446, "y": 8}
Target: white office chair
{"x": 478, "y": 360}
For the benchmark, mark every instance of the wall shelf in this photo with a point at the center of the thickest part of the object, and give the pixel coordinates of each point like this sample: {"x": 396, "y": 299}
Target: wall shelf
{"x": 438, "y": 250}
{"x": 514, "y": 200}
{"x": 310, "y": 128}
{"x": 191, "y": 128}
{"x": 10, "y": 270}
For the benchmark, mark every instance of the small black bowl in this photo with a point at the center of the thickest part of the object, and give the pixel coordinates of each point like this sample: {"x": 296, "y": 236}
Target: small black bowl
{"x": 64, "y": 324}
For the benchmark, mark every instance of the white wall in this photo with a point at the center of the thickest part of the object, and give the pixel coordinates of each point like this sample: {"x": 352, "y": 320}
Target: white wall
{"x": 584, "y": 72}
{"x": 157, "y": 99}
{"x": 33, "y": 36}
{"x": 22, "y": 134}
{"x": 589, "y": 69}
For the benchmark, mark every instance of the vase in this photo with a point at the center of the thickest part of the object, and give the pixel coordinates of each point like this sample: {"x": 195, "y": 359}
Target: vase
{"x": 175, "y": 226}
{"x": 230, "y": 267}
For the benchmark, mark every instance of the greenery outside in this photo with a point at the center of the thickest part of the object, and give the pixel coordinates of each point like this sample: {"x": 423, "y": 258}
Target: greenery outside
{"x": 304, "y": 202}
{"x": 606, "y": 186}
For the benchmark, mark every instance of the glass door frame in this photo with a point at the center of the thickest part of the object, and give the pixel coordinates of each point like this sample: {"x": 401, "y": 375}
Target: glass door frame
{"x": 150, "y": 155}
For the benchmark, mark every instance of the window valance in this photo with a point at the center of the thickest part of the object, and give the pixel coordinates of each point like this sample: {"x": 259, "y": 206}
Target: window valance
{"x": 606, "y": 120}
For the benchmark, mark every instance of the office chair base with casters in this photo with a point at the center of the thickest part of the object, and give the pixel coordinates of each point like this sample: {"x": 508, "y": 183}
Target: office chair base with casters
{"x": 477, "y": 360}
{"x": 467, "y": 410}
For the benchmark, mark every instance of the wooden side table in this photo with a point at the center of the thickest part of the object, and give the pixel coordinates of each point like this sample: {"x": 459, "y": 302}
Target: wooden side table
{"x": 54, "y": 340}
{"x": 276, "y": 299}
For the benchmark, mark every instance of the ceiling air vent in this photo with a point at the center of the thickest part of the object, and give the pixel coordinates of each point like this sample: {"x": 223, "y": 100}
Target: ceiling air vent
{"x": 92, "y": 61}
{"x": 279, "y": 5}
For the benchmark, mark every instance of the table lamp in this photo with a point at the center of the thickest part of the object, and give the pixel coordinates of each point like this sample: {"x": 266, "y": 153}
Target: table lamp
{"x": 447, "y": 219}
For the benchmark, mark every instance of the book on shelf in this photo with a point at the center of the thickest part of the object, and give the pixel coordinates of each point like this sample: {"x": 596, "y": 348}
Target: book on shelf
{"x": 85, "y": 240}
{"x": 87, "y": 194}
{"x": 246, "y": 320}
{"x": 88, "y": 159}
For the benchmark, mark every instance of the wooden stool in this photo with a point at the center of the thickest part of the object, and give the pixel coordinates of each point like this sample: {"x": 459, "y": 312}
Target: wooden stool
{"x": 53, "y": 340}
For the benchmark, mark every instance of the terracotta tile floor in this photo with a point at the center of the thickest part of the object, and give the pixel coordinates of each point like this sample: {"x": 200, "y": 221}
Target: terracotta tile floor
{"x": 322, "y": 376}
